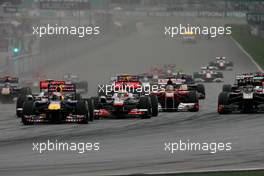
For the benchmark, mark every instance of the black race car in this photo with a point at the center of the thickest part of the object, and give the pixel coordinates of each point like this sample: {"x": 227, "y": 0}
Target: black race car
{"x": 246, "y": 96}
{"x": 10, "y": 89}
{"x": 208, "y": 74}
{"x": 188, "y": 79}
{"x": 222, "y": 64}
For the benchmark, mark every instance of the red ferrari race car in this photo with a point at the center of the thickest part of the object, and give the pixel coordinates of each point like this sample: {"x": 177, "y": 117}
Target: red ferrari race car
{"x": 176, "y": 96}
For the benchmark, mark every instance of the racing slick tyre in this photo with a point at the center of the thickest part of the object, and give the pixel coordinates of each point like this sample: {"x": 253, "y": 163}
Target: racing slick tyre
{"x": 96, "y": 103}
{"x": 154, "y": 105}
{"x": 28, "y": 109}
{"x": 19, "y": 104}
{"x": 192, "y": 97}
{"x": 82, "y": 109}
{"x": 91, "y": 109}
{"x": 145, "y": 103}
{"x": 201, "y": 90}
{"x": 227, "y": 88}
{"x": 223, "y": 100}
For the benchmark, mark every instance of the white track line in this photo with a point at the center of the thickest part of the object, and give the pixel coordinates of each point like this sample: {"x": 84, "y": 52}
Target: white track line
{"x": 249, "y": 56}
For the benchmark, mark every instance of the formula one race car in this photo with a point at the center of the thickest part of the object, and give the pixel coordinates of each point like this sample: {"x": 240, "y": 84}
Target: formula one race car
{"x": 57, "y": 106}
{"x": 208, "y": 74}
{"x": 177, "y": 97}
{"x": 167, "y": 70}
{"x": 246, "y": 96}
{"x": 81, "y": 86}
{"x": 179, "y": 80}
{"x": 10, "y": 89}
{"x": 41, "y": 92}
{"x": 188, "y": 79}
{"x": 188, "y": 37}
{"x": 222, "y": 64}
{"x": 125, "y": 101}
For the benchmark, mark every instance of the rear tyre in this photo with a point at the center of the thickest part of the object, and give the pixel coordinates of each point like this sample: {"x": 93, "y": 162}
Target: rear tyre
{"x": 91, "y": 109}
{"x": 97, "y": 106}
{"x": 223, "y": 100}
{"x": 154, "y": 105}
{"x": 201, "y": 90}
{"x": 82, "y": 109}
{"x": 28, "y": 109}
{"x": 145, "y": 103}
{"x": 19, "y": 104}
{"x": 192, "y": 97}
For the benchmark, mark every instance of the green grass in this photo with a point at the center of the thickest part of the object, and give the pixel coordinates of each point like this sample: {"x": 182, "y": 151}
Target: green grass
{"x": 253, "y": 45}
{"x": 220, "y": 173}
{"x": 231, "y": 173}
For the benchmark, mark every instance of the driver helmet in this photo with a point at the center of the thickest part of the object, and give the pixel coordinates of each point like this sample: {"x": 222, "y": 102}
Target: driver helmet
{"x": 169, "y": 88}
{"x": 122, "y": 94}
{"x": 57, "y": 96}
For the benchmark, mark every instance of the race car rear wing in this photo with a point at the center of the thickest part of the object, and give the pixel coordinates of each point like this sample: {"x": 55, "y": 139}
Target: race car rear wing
{"x": 7, "y": 79}
{"x": 250, "y": 79}
{"x": 127, "y": 78}
{"x": 62, "y": 88}
{"x": 44, "y": 85}
{"x": 120, "y": 85}
{"x": 209, "y": 68}
{"x": 174, "y": 81}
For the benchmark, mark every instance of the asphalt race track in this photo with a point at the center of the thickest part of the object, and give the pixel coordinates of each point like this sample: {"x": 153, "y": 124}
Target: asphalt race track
{"x": 134, "y": 145}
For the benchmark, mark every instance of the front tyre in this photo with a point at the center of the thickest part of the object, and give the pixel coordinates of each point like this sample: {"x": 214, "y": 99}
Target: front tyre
{"x": 223, "y": 101}
{"x": 145, "y": 103}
